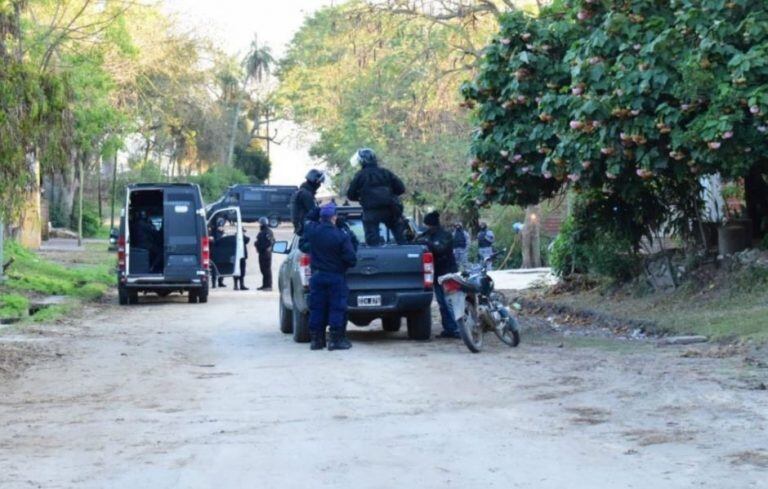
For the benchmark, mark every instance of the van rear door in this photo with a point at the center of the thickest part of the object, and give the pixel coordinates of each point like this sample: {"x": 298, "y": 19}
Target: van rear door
{"x": 183, "y": 235}
{"x": 228, "y": 249}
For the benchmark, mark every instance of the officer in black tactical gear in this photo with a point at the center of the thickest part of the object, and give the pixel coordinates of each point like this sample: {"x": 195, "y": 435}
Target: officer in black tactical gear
{"x": 378, "y": 190}
{"x": 303, "y": 201}
{"x": 265, "y": 240}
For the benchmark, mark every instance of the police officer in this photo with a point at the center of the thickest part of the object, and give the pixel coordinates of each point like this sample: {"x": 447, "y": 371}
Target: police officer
{"x": 331, "y": 254}
{"x": 440, "y": 243}
{"x": 460, "y": 244}
{"x": 216, "y": 232}
{"x": 378, "y": 190}
{"x": 303, "y": 201}
{"x": 264, "y": 242}
{"x": 485, "y": 240}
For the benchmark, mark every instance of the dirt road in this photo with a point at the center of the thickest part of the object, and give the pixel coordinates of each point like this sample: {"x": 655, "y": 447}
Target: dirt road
{"x": 172, "y": 395}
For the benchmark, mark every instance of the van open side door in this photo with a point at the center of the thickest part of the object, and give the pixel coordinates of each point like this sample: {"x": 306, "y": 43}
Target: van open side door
{"x": 227, "y": 247}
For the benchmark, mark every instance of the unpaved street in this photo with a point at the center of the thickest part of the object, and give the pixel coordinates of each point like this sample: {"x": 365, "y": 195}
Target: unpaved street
{"x": 172, "y": 395}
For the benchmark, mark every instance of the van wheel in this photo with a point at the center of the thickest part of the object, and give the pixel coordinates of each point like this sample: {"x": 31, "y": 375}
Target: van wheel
{"x": 300, "y": 325}
{"x": 122, "y": 296}
{"x": 202, "y": 295}
{"x": 420, "y": 325}
{"x": 274, "y": 222}
{"x": 192, "y": 297}
{"x": 286, "y": 318}
{"x": 391, "y": 325}
{"x": 133, "y": 297}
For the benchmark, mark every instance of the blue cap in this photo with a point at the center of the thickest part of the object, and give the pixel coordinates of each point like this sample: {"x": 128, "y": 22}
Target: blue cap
{"x": 327, "y": 211}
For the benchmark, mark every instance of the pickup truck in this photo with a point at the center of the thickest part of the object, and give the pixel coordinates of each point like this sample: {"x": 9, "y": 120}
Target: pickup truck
{"x": 390, "y": 282}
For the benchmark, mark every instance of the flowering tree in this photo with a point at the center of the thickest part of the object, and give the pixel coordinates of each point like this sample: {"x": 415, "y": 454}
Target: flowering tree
{"x": 628, "y": 102}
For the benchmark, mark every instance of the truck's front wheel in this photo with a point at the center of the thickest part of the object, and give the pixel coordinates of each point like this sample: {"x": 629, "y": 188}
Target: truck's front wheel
{"x": 286, "y": 319}
{"x": 420, "y": 325}
{"x": 300, "y": 325}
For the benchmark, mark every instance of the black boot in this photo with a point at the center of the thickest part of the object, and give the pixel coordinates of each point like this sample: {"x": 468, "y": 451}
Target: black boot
{"x": 317, "y": 340}
{"x": 339, "y": 341}
{"x": 221, "y": 282}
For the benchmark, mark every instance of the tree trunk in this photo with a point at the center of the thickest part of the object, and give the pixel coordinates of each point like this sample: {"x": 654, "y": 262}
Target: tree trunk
{"x": 531, "y": 238}
{"x": 99, "y": 166}
{"x": 80, "y": 203}
{"x": 70, "y": 188}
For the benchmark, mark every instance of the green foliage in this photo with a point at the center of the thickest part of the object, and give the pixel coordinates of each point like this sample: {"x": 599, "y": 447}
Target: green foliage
{"x": 584, "y": 248}
{"x": 30, "y": 273}
{"x": 365, "y": 77}
{"x": 92, "y": 225}
{"x": 629, "y": 102}
{"x": 217, "y": 179}
{"x": 13, "y": 306}
{"x": 253, "y": 162}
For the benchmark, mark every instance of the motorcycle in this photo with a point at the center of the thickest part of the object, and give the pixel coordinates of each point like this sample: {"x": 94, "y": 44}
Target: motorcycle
{"x": 478, "y": 308}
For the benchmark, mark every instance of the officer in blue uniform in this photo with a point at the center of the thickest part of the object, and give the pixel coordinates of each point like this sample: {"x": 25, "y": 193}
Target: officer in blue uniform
{"x": 331, "y": 254}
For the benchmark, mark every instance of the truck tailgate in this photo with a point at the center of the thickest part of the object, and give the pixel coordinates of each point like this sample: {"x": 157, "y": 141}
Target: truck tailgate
{"x": 391, "y": 267}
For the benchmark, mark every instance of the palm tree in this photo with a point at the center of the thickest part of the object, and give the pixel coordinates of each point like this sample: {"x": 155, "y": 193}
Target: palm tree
{"x": 257, "y": 66}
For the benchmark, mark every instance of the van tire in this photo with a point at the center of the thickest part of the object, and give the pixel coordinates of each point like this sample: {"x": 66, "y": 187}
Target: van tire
{"x": 133, "y": 297}
{"x": 300, "y": 325}
{"x": 286, "y": 319}
{"x": 391, "y": 325}
{"x": 122, "y": 296}
{"x": 274, "y": 221}
{"x": 420, "y": 325}
{"x": 202, "y": 295}
{"x": 193, "y": 297}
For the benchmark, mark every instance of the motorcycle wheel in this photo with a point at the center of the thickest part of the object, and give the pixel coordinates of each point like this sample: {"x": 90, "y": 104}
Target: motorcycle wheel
{"x": 471, "y": 329}
{"x": 509, "y": 333}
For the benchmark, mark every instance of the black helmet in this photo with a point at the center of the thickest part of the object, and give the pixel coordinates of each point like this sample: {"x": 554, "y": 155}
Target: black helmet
{"x": 315, "y": 176}
{"x": 367, "y": 156}
{"x": 264, "y": 221}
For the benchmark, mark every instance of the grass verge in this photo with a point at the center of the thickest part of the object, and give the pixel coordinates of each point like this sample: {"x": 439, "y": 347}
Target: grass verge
{"x": 80, "y": 275}
{"x": 724, "y": 305}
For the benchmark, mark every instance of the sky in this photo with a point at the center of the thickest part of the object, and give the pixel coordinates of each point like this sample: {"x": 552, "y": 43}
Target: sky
{"x": 233, "y": 24}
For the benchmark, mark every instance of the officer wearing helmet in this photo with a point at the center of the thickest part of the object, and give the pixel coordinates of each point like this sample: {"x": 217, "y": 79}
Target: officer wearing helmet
{"x": 303, "y": 201}
{"x": 265, "y": 240}
{"x": 378, "y": 190}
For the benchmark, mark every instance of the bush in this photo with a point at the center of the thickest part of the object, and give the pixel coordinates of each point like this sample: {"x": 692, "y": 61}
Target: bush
{"x": 91, "y": 223}
{"x": 584, "y": 249}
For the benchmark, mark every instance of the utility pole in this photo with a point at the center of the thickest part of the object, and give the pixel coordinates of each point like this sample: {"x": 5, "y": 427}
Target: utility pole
{"x": 2, "y": 262}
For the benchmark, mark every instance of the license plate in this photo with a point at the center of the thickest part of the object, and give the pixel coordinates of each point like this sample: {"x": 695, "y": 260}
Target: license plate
{"x": 369, "y": 301}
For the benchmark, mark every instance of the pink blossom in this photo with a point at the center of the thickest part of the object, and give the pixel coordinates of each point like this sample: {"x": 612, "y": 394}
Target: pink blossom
{"x": 637, "y": 47}
{"x": 623, "y": 136}
{"x": 529, "y": 47}
{"x": 714, "y": 144}
{"x": 517, "y": 157}
{"x": 635, "y": 112}
{"x": 586, "y": 164}
{"x": 574, "y": 177}
{"x": 576, "y": 125}
{"x": 547, "y": 174}
{"x": 762, "y": 129}
{"x": 522, "y": 99}
{"x": 685, "y": 106}
{"x": 525, "y": 169}
{"x": 504, "y": 153}
{"x": 610, "y": 175}
{"x": 606, "y": 151}
{"x": 525, "y": 36}
{"x": 619, "y": 92}
{"x": 754, "y": 110}
{"x": 577, "y": 91}
{"x": 506, "y": 41}
{"x": 727, "y": 134}
{"x": 596, "y": 123}
{"x": 582, "y": 15}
